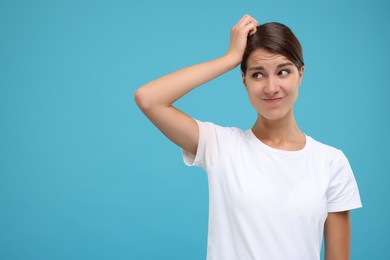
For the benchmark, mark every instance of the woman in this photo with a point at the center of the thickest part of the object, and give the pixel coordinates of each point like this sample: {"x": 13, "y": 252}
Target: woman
{"x": 273, "y": 190}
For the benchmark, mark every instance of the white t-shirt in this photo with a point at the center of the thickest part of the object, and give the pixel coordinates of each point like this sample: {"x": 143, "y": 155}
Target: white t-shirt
{"x": 269, "y": 204}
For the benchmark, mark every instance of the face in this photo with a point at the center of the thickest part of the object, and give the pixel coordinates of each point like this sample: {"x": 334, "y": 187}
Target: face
{"x": 272, "y": 82}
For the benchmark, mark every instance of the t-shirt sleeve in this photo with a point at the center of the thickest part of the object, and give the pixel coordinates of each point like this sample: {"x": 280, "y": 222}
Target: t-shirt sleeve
{"x": 211, "y": 140}
{"x": 343, "y": 193}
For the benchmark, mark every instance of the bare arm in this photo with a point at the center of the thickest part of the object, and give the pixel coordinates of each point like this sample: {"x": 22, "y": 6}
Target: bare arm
{"x": 337, "y": 232}
{"x": 156, "y": 98}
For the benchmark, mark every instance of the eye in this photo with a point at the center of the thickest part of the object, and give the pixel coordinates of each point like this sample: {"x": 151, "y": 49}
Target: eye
{"x": 257, "y": 75}
{"x": 284, "y": 72}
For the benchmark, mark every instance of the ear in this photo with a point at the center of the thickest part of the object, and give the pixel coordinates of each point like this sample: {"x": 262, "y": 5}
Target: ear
{"x": 301, "y": 70}
{"x": 243, "y": 79}
{"x": 301, "y": 74}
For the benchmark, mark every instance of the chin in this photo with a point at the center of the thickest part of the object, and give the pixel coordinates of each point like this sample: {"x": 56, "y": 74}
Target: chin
{"x": 274, "y": 116}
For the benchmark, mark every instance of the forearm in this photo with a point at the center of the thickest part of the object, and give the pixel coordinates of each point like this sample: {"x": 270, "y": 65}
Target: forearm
{"x": 337, "y": 233}
{"x": 166, "y": 90}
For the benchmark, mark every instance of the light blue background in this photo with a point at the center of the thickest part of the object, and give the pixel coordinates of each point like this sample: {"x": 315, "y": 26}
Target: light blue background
{"x": 84, "y": 175}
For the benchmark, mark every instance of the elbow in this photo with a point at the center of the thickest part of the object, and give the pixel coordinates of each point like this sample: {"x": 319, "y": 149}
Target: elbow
{"x": 141, "y": 99}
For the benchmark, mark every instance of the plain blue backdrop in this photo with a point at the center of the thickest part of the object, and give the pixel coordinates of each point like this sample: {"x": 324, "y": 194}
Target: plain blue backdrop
{"x": 84, "y": 175}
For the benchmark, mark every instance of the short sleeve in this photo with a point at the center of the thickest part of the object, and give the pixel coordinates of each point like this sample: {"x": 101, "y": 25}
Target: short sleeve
{"x": 343, "y": 193}
{"x": 212, "y": 138}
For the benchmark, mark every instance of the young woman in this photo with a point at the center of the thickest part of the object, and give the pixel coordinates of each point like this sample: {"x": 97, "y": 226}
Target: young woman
{"x": 274, "y": 191}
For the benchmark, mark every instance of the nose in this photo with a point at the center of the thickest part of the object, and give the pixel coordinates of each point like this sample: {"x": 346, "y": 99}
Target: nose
{"x": 271, "y": 86}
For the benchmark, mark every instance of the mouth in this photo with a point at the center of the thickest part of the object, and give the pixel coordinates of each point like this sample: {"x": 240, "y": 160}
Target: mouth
{"x": 272, "y": 100}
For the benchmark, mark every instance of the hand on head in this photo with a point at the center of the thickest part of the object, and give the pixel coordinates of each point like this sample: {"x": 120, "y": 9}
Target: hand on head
{"x": 238, "y": 36}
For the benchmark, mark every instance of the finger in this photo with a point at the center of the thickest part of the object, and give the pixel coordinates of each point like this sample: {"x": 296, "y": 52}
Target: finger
{"x": 256, "y": 24}
{"x": 244, "y": 21}
{"x": 250, "y": 28}
{"x": 244, "y": 17}
{"x": 255, "y": 21}
{"x": 241, "y": 21}
{"x": 252, "y": 21}
{"x": 253, "y": 31}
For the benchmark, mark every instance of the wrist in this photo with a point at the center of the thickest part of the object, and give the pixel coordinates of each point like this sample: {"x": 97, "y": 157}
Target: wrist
{"x": 232, "y": 60}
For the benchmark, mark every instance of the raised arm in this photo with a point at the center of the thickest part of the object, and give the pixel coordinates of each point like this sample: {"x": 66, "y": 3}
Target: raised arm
{"x": 156, "y": 98}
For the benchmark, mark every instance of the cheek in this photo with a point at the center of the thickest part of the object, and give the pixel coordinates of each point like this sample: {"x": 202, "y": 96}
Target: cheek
{"x": 291, "y": 86}
{"x": 254, "y": 96}
{"x": 253, "y": 87}
{"x": 253, "y": 92}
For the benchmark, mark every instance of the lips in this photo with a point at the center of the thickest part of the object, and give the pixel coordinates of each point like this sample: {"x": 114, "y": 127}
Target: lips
{"x": 272, "y": 100}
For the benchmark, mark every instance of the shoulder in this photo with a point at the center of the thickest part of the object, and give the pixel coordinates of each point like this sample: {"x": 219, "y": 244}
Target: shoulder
{"x": 331, "y": 153}
{"x": 211, "y": 128}
{"x": 215, "y": 142}
{"x": 221, "y": 139}
{"x": 342, "y": 191}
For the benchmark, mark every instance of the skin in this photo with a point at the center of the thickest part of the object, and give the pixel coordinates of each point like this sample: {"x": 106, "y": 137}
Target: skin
{"x": 272, "y": 82}
{"x": 275, "y": 124}
{"x": 337, "y": 234}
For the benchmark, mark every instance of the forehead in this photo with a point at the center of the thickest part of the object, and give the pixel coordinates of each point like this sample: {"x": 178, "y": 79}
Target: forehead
{"x": 264, "y": 57}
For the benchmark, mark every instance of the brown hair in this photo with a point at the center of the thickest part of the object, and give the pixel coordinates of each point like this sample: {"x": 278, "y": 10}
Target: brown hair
{"x": 275, "y": 38}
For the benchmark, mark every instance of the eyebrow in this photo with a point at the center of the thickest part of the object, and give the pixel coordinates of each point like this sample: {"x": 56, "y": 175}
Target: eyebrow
{"x": 279, "y": 66}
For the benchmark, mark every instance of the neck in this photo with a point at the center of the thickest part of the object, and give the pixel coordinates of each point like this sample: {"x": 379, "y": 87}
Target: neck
{"x": 282, "y": 133}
